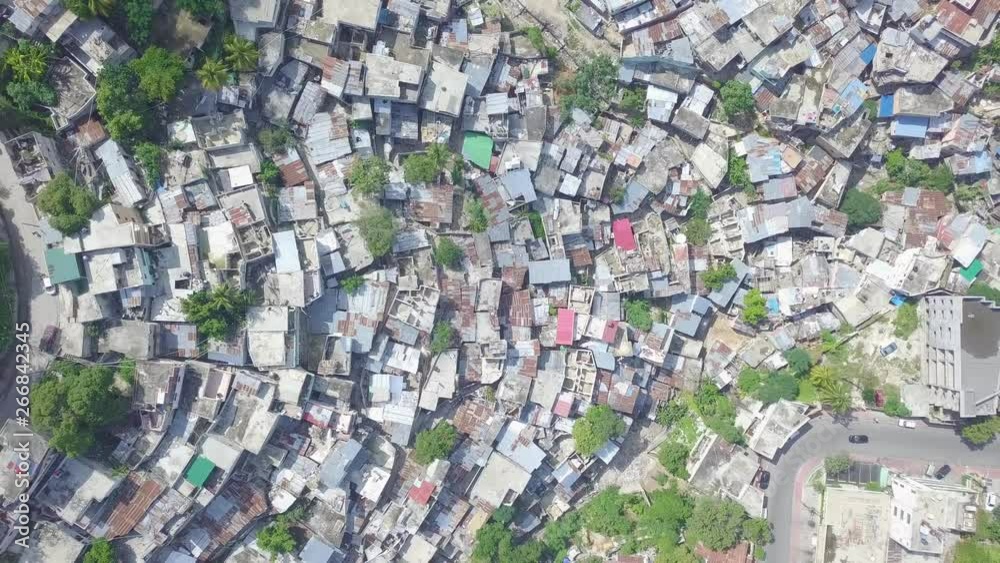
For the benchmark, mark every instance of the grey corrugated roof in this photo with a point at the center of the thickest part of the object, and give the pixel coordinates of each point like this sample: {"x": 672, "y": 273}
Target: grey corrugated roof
{"x": 549, "y": 271}
{"x": 128, "y": 191}
{"x": 338, "y": 462}
{"x": 328, "y": 137}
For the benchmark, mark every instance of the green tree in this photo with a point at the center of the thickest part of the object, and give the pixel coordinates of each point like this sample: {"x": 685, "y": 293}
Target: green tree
{"x": 139, "y": 20}
{"x": 73, "y": 402}
{"x": 126, "y": 127}
{"x": 668, "y": 414}
{"x": 673, "y": 457}
{"x": 27, "y": 95}
{"x": 478, "y": 221}
{"x": 491, "y": 540}
{"x": 750, "y": 381}
{"x": 270, "y": 174}
{"x": 699, "y": 205}
{"x": 837, "y": 398}
{"x": 276, "y": 139}
{"x": 983, "y": 289}
{"x": 442, "y": 338}
{"x": 595, "y": 428}
{"x": 213, "y": 75}
{"x": 592, "y": 86}
{"x": 823, "y": 377}
{"x": 202, "y": 8}
{"x": 634, "y": 100}
{"x": 638, "y": 314}
{"x": 717, "y": 276}
{"x": 738, "y": 174}
{"x": 217, "y": 312}
{"x": 837, "y": 464}
{"x": 737, "y": 101}
{"x": 67, "y": 205}
{"x": 861, "y": 208}
{"x": 698, "y": 231}
{"x": 754, "y": 307}
{"x": 150, "y": 158}
{"x": 906, "y": 320}
{"x": 447, "y": 253}
{"x": 718, "y": 413}
{"x": 716, "y": 523}
{"x": 240, "y": 53}
{"x": 758, "y": 531}
{"x": 981, "y": 433}
{"x": 161, "y": 73}
{"x": 118, "y": 91}
{"x": 606, "y": 513}
{"x": 435, "y": 443}
{"x": 369, "y": 176}
{"x": 427, "y": 167}
{"x": 798, "y": 360}
{"x": 660, "y": 523}
{"x": 537, "y": 41}
{"x": 28, "y": 61}
{"x": 276, "y": 539}
{"x": 378, "y": 229}
{"x": 779, "y": 386}
{"x": 100, "y": 551}
{"x": 352, "y": 284}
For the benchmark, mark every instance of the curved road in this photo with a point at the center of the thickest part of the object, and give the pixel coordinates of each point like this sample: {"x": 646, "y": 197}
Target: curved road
{"x": 889, "y": 443}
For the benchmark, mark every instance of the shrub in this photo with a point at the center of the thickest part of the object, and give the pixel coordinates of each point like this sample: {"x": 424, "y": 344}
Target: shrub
{"x": 100, "y": 551}
{"x": 150, "y": 158}
{"x": 478, "y": 221}
{"x": 592, "y": 86}
{"x": 67, "y": 205}
{"x": 837, "y": 464}
{"x": 779, "y": 386}
{"x": 276, "y": 539}
{"x": 906, "y": 320}
{"x": 737, "y": 101}
{"x": 670, "y": 413}
{"x": 673, "y": 457}
{"x": 982, "y": 289}
{"x": 441, "y": 338}
{"x": 276, "y": 139}
{"x": 447, "y": 253}
{"x": 270, "y": 174}
{"x": 698, "y": 231}
{"x": 699, "y": 205}
{"x": 435, "y": 443}
{"x": 352, "y": 284}
{"x": 217, "y": 312}
{"x": 738, "y": 173}
{"x": 799, "y": 361}
{"x": 716, "y": 276}
{"x": 427, "y": 167}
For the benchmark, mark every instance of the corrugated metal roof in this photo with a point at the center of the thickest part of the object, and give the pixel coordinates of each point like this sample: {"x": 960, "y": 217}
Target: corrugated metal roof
{"x": 128, "y": 191}
{"x": 328, "y": 137}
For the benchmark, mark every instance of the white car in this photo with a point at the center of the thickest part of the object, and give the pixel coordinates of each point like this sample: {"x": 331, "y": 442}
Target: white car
{"x": 991, "y": 501}
{"x": 907, "y": 423}
{"x": 47, "y": 283}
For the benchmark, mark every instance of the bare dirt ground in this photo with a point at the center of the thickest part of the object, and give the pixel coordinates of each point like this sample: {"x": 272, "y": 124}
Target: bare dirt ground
{"x": 560, "y": 27}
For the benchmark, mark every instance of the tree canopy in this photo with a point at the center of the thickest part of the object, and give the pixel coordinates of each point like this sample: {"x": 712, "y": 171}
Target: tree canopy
{"x": 738, "y": 175}
{"x": 777, "y": 386}
{"x": 202, "y": 8}
{"x": 838, "y": 463}
{"x": 798, "y": 360}
{"x": 369, "y": 176}
{"x": 67, "y": 205}
{"x": 716, "y": 523}
{"x": 754, "y": 307}
{"x": 981, "y": 433}
{"x": 435, "y": 443}
{"x": 716, "y": 276}
{"x": 673, "y": 457}
{"x": 240, "y": 53}
{"x": 861, "y": 208}
{"x": 122, "y": 103}
{"x": 213, "y": 75}
{"x": 983, "y": 289}
{"x": 737, "y": 101}
{"x": 100, "y": 551}
{"x": 429, "y": 166}
{"x": 378, "y": 229}
{"x": 139, "y": 20}
{"x": 442, "y": 338}
{"x": 28, "y": 61}
{"x": 72, "y": 403}
{"x": 595, "y": 428}
{"x": 276, "y": 538}
{"x": 638, "y": 314}
{"x": 275, "y": 139}
{"x": 592, "y": 86}
{"x": 150, "y": 157}
{"x": 478, "y": 221}
{"x": 217, "y": 312}
{"x": 352, "y": 284}
{"x": 447, "y": 253}
{"x": 161, "y": 73}
{"x": 718, "y": 413}
{"x": 698, "y": 231}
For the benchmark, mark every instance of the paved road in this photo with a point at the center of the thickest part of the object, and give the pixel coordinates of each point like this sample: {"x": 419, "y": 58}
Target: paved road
{"x": 28, "y": 254}
{"x": 890, "y": 443}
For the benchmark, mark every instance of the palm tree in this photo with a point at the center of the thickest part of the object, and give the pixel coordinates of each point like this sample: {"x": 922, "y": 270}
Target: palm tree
{"x": 28, "y": 61}
{"x": 101, "y": 7}
{"x": 213, "y": 74}
{"x": 837, "y": 398}
{"x": 439, "y": 154}
{"x": 823, "y": 377}
{"x": 241, "y": 54}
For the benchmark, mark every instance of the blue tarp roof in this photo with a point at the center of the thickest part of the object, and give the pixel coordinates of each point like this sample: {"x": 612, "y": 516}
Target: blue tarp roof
{"x": 910, "y": 126}
{"x": 868, "y": 55}
{"x": 885, "y": 105}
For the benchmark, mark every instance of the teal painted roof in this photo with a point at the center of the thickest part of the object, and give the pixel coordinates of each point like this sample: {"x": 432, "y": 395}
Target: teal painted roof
{"x": 62, "y": 267}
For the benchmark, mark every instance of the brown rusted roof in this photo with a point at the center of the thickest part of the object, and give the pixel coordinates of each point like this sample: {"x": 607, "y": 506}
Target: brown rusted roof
{"x": 134, "y": 499}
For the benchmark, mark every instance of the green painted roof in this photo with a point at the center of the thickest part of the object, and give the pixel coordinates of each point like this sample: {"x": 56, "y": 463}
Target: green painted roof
{"x": 62, "y": 267}
{"x": 199, "y": 471}
{"x": 478, "y": 148}
{"x": 972, "y": 271}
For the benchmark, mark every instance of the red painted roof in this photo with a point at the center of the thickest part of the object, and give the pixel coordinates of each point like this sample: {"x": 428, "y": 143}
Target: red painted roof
{"x": 564, "y": 328}
{"x": 624, "y": 238}
{"x": 564, "y": 405}
{"x": 610, "y": 331}
{"x": 422, "y": 494}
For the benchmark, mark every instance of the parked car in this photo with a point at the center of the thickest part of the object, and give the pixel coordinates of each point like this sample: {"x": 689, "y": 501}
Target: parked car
{"x": 763, "y": 480}
{"x": 888, "y": 349}
{"x": 907, "y": 423}
{"x": 991, "y": 501}
{"x": 47, "y": 283}
{"x": 942, "y": 472}
{"x": 857, "y": 439}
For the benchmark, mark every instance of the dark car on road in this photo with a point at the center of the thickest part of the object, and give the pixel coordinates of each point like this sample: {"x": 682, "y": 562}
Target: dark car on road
{"x": 857, "y": 439}
{"x": 763, "y": 480}
{"x": 943, "y": 472}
